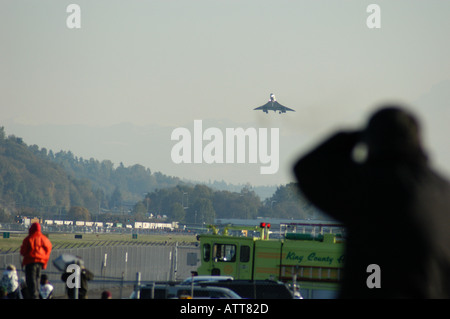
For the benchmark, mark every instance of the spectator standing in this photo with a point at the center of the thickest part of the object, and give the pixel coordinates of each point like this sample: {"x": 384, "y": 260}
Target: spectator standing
{"x": 85, "y": 276}
{"x": 36, "y": 249}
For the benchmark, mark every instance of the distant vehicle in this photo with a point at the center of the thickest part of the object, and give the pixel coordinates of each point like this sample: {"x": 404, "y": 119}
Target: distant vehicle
{"x": 202, "y": 279}
{"x": 166, "y": 291}
{"x": 255, "y": 289}
{"x": 273, "y": 105}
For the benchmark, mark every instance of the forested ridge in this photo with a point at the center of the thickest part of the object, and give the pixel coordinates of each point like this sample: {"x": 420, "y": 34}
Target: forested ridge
{"x": 36, "y": 181}
{"x": 200, "y": 204}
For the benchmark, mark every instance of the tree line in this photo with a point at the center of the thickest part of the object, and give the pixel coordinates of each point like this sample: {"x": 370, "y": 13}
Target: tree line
{"x": 37, "y": 181}
{"x": 200, "y": 204}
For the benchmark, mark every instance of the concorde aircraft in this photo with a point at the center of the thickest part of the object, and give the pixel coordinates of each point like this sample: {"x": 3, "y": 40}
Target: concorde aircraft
{"x": 273, "y": 105}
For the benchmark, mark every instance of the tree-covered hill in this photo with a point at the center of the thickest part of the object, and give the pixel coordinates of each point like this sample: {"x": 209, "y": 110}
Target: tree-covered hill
{"x": 129, "y": 184}
{"x": 38, "y": 182}
{"x": 30, "y": 183}
{"x": 34, "y": 180}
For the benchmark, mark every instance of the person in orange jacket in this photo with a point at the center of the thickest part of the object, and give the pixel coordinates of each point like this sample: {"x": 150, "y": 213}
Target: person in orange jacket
{"x": 35, "y": 249}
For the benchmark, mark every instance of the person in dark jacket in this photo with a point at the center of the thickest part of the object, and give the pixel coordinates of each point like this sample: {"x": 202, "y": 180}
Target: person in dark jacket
{"x": 396, "y": 209}
{"x": 85, "y": 276}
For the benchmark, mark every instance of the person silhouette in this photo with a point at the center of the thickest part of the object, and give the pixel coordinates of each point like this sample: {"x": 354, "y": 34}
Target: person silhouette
{"x": 378, "y": 182}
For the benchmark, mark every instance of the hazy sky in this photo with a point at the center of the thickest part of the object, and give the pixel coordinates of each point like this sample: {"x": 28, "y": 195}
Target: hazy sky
{"x": 141, "y": 68}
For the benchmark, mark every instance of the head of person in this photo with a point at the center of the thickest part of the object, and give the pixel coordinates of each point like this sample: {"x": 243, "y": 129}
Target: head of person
{"x": 44, "y": 279}
{"x": 106, "y": 295}
{"x": 35, "y": 228}
{"x": 393, "y": 132}
{"x": 11, "y": 267}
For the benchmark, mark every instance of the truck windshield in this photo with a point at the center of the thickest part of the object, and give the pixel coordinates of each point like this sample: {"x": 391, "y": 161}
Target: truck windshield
{"x": 224, "y": 252}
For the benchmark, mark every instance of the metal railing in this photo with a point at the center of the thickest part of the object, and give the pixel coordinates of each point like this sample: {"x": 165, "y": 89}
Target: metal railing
{"x": 117, "y": 264}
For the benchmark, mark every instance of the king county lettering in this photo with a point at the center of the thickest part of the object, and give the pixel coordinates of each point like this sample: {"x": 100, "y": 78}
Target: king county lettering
{"x": 314, "y": 257}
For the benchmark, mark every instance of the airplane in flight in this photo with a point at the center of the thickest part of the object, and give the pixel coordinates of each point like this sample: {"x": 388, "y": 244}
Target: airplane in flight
{"x": 273, "y": 105}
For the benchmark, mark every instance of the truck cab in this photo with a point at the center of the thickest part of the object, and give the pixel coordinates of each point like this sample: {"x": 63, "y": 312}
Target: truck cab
{"x": 226, "y": 256}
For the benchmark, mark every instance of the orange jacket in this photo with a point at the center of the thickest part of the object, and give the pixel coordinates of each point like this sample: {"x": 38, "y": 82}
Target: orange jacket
{"x": 36, "y": 247}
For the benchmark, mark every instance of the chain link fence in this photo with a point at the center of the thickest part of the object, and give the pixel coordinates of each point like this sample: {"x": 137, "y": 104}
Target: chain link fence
{"x": 117, "y": 266}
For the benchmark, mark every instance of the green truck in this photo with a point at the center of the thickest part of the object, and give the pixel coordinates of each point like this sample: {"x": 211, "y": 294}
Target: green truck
{"x": 312, "y": 261}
